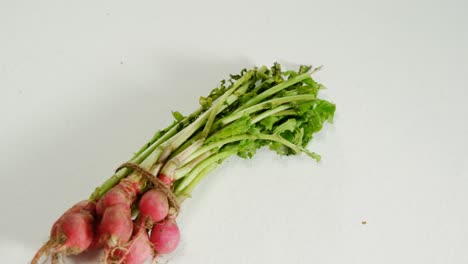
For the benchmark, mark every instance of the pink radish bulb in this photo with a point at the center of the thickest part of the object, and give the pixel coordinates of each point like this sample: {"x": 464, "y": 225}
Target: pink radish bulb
{"x": 78, "y": 207}
{"x": 116, "y": 226}
{"x": 74, "y": 209}
{"x": 123, "y": 193}
{"x": 80, "y": 214}
{"x": 114, "y": 196}
{"x": 75, "y": 233}
{"x": 165, "y": 236}
{"x": 72, "y": 233}
{"x": 137, "y": 251}
{"x": 154, "y": 205}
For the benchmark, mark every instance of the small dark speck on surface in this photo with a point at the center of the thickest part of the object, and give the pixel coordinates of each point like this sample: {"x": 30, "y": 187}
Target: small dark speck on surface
{"x": 364, "y": 222}
{"x": 121, "y": 62}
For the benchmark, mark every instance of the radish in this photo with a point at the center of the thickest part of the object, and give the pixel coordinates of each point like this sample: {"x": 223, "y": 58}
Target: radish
{"x": 75, "y": 233}
{"x": 123, "y": 193}
{"x": 165, "y": 236}
{"x": 260, "y": 107}
{"x": 71, "y": 234}
{"x": 116, "y": 226}
{"x": 136, "y": 251}
{"x": 153, "y": 206}
{"x": 114, "y": 196}
{"x": 140, "y": 250}
{"x": 74, "y": 209}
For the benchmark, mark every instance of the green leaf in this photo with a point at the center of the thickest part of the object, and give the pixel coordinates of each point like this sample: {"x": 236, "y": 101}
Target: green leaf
{"x": 286, "y": 134}
{"x": 310, "y": 82}
{"x": 235, "y": 77}
{"x": 248, "y": 148}
{"x": 206, "y": 102}
{"x": 326, "y": 110}
{"x": 281, "y": 149}
{"x": 304, "y": 68}
{"x": 290, "y": 74}
{"x": 268, "y": 122}
{"x": 298, "y": 136}
{"x": 276, "y": 72}
{"x": 238, "y": 127}
{"x": 289, "y": 125}
{"x": 262, "y": 73}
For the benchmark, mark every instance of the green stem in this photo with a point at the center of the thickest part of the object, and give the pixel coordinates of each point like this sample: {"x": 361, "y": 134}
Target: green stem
{"x": 185, "y": 169}
{"x": 269, "y": 113}
{"x": 183, "y": 141}
{"x": 191, "y": 178}
{"x": 218, "y": 144}
{"x": 286, "y": 112}
{"x": 230, "y": 100}
{"x": 156, "y": 136}
{"x": 158, "y": 139}
{"x": 143, "y": 155}
{"x": 267, "y": 104}
{"x": 164, "y": 144}
{"x": 172, "y": 164}
{"x": 228, "y": 140}
{"x": 158, "y": 148}
{"x": 186, "y": 145}
{"x": 201, "y": 166}
{"x": 274, "y": 90}
{"x": 187, "y": 192}
{"x": 221, "y": 101}
{"x": 188, "y": 131}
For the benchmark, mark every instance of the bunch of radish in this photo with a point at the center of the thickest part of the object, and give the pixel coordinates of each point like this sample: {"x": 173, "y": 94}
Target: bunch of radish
{"x": 109, "y": 224}
{"x": 132, "y": 215}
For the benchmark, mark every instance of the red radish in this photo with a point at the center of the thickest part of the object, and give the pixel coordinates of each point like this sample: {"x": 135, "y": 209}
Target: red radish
{"x": 116, "y": 226}
{"x": 75, "y": 233}
{"x": 136, "y": 251}
{"x": 165, "y": 236}
{"x": 237, "y": 118}
{"x": 71, "y": 234}
{"x": 123, "y": 193}
{"x": 84, "y": 208}
{"x": 74, "y": 209}
{"x": 114, "y": 196}
{"x": 153, "y": 206}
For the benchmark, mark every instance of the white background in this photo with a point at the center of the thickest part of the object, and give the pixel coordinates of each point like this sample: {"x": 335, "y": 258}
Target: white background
{"x": 83, "y": 84}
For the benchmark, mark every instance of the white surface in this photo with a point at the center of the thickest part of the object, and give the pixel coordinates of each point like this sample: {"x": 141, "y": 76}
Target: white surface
{"x": 84, "y": 83}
